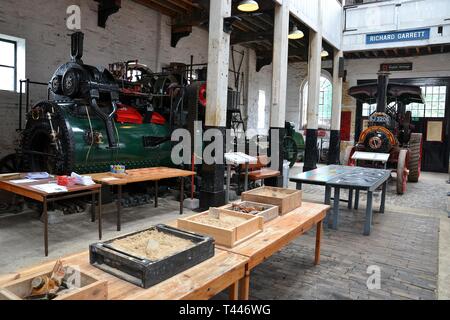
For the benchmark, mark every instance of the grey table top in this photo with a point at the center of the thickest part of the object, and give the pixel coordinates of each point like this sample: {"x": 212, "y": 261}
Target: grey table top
{"x": 321, "y": 175}
{"x": 361, "y": 178}
{"x": 345, "y": 176}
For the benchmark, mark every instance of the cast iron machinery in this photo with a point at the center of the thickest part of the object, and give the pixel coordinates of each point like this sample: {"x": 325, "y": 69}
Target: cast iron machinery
{"x": 390, "y": 128}
{"x": 94, "y": 119}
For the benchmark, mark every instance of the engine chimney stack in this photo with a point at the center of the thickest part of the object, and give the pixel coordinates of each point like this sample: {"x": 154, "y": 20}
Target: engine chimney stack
{"x": 77, "y": 46}
{"x": 383, "y": 81}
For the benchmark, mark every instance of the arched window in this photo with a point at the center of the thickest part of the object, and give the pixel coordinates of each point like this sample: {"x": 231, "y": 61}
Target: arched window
{"x": 325, "y": 102}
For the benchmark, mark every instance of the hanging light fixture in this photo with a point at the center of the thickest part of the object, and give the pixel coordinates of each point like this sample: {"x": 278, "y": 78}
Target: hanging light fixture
{"x": 324, "y": 53}
{"x": 296, "y": 34}
{"x": 248, "y": 6}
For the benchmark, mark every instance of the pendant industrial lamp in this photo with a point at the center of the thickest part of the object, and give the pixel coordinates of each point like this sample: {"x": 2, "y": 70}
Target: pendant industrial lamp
{"x": 296, "y": 34}
{"x": 324, "y": 53}
{"x": 248, "y": 6}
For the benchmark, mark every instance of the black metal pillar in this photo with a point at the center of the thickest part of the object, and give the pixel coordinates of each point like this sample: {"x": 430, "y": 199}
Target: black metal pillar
{"x": 334, "y": 147}
{"x": 311, "y": 152}
{"x": 212, "y": 191}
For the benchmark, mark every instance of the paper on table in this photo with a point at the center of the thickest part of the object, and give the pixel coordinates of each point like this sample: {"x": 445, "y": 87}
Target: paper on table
{"x": 50, "y": 188}
{"x": 19, "y": 181}
{"x": 37, "y": 175}
{"x": 110, "y": 179}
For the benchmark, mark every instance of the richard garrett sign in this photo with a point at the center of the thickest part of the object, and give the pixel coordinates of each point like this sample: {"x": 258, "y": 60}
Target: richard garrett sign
{"x": 398, "y": 36}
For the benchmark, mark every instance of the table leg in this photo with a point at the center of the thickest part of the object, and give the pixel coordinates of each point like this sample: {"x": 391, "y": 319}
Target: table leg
{"x": 244, "y": 286}
{"x": 119, "y": 206}
{"x": 356, "y": 199}
{"x": 233, "y": 291}
{"x": 298, "y": 186}
{"x": 156, "y": 193}
{"x": 45, "y": 216}
{"x": 100, "y": 214}
{"x": 246, "y": 177}
{"x": 93, "y": 208}
{"x": 383, "y": 197}
{"x": 327, "y": 194}
{"x": 368, "y": 222}
{"x": 318, "y": 240}
{"x": 227, "y": 191}
{"x": 336, "y": 207}
{"x": 181, "y": 195}
{"x": 327, "y": 201}
{"x": 350, "y": 198}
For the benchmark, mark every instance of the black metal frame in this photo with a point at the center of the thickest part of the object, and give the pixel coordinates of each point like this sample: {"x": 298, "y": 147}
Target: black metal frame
{"x": 27, "y": 83}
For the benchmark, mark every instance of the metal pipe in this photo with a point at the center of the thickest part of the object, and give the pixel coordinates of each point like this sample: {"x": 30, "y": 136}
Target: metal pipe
{"x": 28, "y": 95}
{"x": 20, "y": 105}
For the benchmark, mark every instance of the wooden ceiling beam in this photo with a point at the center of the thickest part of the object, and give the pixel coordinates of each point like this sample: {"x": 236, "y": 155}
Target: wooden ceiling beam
{"x": 181, "y": 4}
{"x": 251, "y": 22}
{"x": 153, "y": 6}
{"x": 167, "y": 4}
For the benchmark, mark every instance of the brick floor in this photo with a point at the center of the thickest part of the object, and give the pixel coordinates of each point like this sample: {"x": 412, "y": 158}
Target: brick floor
{"x": 404, "y": 246}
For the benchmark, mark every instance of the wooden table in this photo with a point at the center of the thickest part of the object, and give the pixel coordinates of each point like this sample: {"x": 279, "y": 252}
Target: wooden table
{"x": 26, "y": 190}
{"x": 278, "y": 233}
{"x": 203, "y": 281}
{"x": 141, "y": 175}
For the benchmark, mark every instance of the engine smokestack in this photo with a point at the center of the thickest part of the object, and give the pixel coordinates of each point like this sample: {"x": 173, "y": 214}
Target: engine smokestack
{"x": 77, "y": 40}
{"x": 383, "y": 81}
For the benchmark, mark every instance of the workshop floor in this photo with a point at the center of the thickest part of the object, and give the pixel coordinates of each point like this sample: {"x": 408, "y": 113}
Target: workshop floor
{"x": 409, "y": 244}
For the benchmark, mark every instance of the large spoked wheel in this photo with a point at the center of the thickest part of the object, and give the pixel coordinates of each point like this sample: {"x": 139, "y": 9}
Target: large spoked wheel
{"x": 402, "y": 171}
{"x": 415, "y": 157}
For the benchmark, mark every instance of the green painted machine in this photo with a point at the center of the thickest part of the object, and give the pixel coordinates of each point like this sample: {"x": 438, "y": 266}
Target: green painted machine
{"x": 94, "y": 119}
{"x": 294, "y": 145}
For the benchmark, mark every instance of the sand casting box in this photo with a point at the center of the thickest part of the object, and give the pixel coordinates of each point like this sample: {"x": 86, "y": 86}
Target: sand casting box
{"x": 150, "y": 256}
{"x": 161, "y": 244}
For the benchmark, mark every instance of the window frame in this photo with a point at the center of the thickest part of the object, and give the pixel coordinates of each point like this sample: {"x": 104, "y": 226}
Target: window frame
{"x": 15, "y": 62}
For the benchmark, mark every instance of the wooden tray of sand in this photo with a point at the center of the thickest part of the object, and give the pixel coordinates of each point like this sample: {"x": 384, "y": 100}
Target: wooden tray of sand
{"x": 228, "y": 228}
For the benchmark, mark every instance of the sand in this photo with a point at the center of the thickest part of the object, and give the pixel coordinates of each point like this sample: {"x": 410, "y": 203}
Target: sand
{"x": 224, "y": 221}
{"x": 161, "y": 245}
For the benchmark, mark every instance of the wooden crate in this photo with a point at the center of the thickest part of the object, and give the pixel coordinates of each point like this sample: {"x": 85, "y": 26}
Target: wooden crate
{"x": 91, "y": 288}
{"x": 228, "y": 237}
{"x": 286, "y": 199}
{"x": 268, "y": 213}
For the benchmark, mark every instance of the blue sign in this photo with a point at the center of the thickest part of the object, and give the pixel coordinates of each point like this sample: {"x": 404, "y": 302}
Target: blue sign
{"x": 398, "y": 36}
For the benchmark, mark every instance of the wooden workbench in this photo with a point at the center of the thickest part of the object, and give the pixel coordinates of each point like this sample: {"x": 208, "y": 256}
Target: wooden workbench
{"x": 278, "y": 233}
{"x": 229, "y": 268}
{"x": 141, "y": 175}
{"x": 26, "y": 190}
{"x": 203, "y": 281}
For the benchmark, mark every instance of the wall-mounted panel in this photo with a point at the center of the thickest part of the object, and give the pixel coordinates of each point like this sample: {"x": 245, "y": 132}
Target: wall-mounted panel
{"x": 396, "y": 16}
